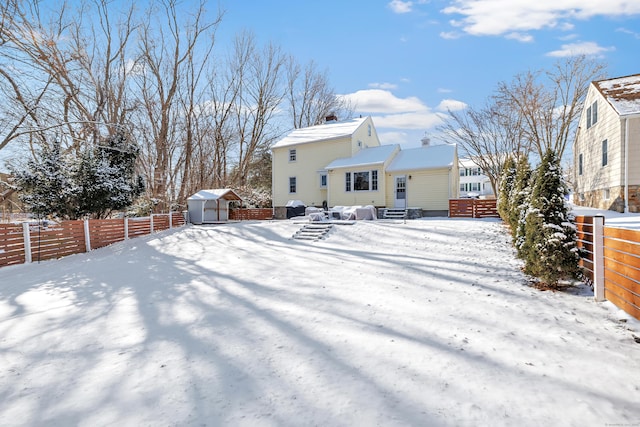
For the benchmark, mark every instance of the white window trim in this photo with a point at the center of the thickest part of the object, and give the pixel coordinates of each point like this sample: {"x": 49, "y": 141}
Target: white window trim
{"x": 353, "y": 181}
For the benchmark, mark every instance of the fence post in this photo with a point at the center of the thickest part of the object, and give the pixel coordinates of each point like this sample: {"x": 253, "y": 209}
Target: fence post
{"x": 126, "y": 228}
{"x": 87, "y": 236}
{"x": 151, "y": 224}
{"x": 598, "y": 258}
{"x": 27, "y": 242}
{"x": 170, "y": 220}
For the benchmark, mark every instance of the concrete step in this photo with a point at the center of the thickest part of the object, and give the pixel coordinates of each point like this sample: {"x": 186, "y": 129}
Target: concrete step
{"x": 395, "y": 214}
{"x": 312, "y": 231}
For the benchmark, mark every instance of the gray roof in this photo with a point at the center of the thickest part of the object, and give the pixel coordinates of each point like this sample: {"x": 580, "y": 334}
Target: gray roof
{"x": 366, "y": 156}
{"x": 429, "y": 157}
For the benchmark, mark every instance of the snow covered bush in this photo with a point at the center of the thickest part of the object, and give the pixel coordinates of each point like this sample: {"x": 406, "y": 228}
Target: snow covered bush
{"x": 550, "y": 247}
{"x": 255, "y": 197}
{"x": 98, "y": 182}
{"x": 506, "y": 187}
{"x": 520, "y": 201}
{"x": 46, "y": 185}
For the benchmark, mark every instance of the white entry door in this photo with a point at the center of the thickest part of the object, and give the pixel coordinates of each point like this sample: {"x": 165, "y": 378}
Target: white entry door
{"x": 400, "y": 200}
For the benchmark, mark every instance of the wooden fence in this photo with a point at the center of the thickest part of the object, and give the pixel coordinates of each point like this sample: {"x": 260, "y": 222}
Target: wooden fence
{"x": 611, "y": 260}
{"x": 473, "y": 208}
{"x": 584, "y": 231}
{"x": 28, "y": 242}
{"x": 251, "y": 214}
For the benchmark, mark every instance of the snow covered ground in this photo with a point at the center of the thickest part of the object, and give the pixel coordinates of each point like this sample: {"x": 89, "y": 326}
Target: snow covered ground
{"x": 423, "y": 323}
{"x": 611, "y": 218}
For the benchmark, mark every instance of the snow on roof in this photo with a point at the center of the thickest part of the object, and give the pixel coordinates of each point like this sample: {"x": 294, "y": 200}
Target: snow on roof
{"x": 215, "y": 194}
{"x": 366, "y": 156}
{"x": 623, "y": 93}
{"x": 321, "y": 132}
{"x": 429, "y": 157}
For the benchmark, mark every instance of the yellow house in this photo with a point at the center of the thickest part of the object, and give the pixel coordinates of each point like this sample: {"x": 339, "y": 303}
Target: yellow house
{"x": 607, "y": 146}
{"x": 299, "y": 159}
{"x": 343, "y": 164}
{"x": 428, "y": 176}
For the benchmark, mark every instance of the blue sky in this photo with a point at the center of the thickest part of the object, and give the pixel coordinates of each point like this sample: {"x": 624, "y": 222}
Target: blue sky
{"x": 405, "y": 62}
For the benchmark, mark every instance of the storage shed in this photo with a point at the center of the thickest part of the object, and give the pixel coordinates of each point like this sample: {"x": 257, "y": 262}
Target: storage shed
{"x": 209, "y": 206}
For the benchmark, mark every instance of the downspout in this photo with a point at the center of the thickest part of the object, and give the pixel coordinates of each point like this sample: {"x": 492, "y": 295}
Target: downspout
{"x": 626, "y": 165}
{"x": 626, "y": 158}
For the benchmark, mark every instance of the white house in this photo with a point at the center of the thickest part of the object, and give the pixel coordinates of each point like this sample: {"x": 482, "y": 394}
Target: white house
{"x": 607, "y": 146}
{"x": 473, "y": 182}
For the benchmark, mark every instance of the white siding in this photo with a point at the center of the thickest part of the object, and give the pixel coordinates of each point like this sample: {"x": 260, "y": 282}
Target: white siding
{"x": 634, "y": 150}
{"x": 589, "y": 144}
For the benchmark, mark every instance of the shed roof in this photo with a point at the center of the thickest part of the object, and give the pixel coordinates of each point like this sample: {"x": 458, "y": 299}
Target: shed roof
{"x": 219, "y": 193}
{"x": 623, "y": 93}
{"x": 321, "y": 132}
{"x": 366, "y": 156}
{"x": 429, "y": 157}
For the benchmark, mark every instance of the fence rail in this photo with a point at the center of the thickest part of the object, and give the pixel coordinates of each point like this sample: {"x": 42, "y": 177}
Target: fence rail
{"x": 27, "y": 242}
{"x": 622, "y": 269}
{"x": 584, "y": 231}
{"x": 473, "y": 208}
{"x": 611, "y": 262}
{"x": 251, "y": 214}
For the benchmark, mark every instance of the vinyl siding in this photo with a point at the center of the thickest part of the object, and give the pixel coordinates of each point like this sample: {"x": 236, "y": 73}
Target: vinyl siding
{"x": 589, "y": 144}
{"x": 634, "y": 150}
{"x": 339, "y": 197}
{"x": 310, "y": 158}
{"x": 362, "y": 135}
{"x": 429, "y": 190}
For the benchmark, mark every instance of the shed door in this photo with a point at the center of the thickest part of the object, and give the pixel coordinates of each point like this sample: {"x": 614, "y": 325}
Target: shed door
{"x": 400, "y": 199}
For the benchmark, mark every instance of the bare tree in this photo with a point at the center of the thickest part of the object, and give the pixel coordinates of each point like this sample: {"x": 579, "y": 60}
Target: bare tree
{"x": 71, "y": 75}
{"x": 167, "y": 51}
{"x": 488, "y": 136}
{"x": 310, "y": 96}
{"x": 550, "y": 102}
{"x": 260, "y": 93}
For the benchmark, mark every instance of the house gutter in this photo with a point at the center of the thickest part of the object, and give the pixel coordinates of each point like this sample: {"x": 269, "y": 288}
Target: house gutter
{"x": 626, "y": 158}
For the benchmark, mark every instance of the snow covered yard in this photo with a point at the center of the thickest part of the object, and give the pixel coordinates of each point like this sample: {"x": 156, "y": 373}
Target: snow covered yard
{"x": 383, "y": 323}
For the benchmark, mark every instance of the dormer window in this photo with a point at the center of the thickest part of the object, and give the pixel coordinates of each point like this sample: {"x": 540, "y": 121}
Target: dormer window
{"x": 292, "y": 155}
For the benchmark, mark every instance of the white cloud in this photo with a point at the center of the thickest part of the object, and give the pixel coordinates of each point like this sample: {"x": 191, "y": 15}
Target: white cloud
{"x": 627, "y": 31}
{"x": 383, "y": 101}
{"x": 450, "y": 35}
{"x": 390, "y": 112}
{"x": 384, "y": 86}
{"x": 399, "y": 6}
{"x": 499, "y": 17}
{"x": 568, "y": 37}
{"x": 451, "y": 105}
{"x": 416, "y": 120}
{"x": 444, "y": 90}
{"x": 521, "y": 37}
{"x": 393, "y": 137}
{"x": 581, "y": 48}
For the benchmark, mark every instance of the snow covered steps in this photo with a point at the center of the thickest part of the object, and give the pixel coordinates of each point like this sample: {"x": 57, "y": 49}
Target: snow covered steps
{"x": 394, "y": 214}
{"x": 312, "y": 231}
